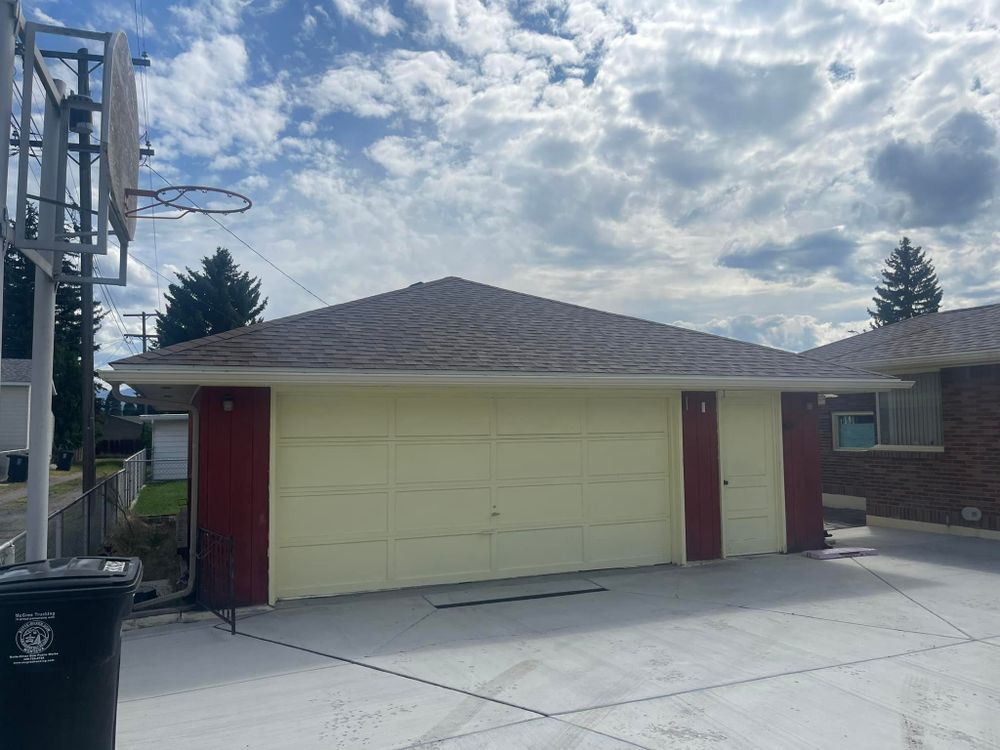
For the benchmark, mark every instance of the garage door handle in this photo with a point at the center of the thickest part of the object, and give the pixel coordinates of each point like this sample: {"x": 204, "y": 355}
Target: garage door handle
{"x": 725, "y": 482}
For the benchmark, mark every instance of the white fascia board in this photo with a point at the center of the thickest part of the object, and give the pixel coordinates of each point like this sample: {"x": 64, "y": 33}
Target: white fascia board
{"x": 903, "y": 365}
{"x": 236, "y": 376}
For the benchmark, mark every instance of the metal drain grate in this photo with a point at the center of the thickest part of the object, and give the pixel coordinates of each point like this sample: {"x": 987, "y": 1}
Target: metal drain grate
{"x": 494, "y": 594}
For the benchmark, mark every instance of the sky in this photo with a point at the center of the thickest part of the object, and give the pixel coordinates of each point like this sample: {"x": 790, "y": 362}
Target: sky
{"x": 737, "y": 167}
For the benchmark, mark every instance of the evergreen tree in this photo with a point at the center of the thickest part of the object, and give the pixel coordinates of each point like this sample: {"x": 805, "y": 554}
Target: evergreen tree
{"x": 216, "y": 299}
{"x": 909, "y": 286}
{"x": 18, "y": 313}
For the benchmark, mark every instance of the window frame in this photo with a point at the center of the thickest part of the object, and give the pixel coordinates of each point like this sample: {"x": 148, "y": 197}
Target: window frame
{"x": 835, "y": 429}
{"x": 903, "y": 447}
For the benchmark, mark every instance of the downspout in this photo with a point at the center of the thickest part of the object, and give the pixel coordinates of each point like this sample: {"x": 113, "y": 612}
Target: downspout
{"x": 195, "y": 470}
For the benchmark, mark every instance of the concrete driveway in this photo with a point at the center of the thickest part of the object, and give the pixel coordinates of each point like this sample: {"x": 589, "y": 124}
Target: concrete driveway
{"x": 896, "y": 651}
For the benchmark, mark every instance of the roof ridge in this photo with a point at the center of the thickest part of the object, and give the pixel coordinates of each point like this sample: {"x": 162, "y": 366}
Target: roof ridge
{"x": 232, "y": 333}
{"x": 931, "y": 319}
{"x": 686, "y": 331}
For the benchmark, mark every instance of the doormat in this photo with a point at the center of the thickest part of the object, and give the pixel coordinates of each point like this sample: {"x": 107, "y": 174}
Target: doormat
{"x": 511, "y": 592}
{"x": 838, "y": 552}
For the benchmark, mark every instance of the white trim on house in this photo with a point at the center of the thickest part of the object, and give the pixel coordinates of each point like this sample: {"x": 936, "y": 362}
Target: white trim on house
{"x": 907, "y": 365}
{"x": 240, "y": 376}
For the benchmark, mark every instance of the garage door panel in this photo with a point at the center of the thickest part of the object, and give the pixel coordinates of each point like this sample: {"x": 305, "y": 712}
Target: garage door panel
{"x": 453, "y": 557}
{"x": 539, "y": 416}
{"x": 332, "y": 516}
{"x": 538, "y": 459}
{"x": 331, "y": 416}
{"x": 442, "y": 462}
{"x": 626, "y": 501}
{"x": 302, "y": 466}
{"x": 442, "y": 416}
{"x": 442, "y": 509}
{"x": 625, "y": 415}
{"x": 465, "y": 487}
{"x": 639, "y": 456}
{"x": 539, "y": 549}
{"x": 539, "y": 504}
{"x": 627, "y": 543}
{"x": 319, "y": 569}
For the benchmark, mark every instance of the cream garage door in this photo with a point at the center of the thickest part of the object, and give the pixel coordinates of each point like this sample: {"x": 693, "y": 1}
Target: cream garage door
{"x": 749, "y": 463}
{"x": 386, "y": 491}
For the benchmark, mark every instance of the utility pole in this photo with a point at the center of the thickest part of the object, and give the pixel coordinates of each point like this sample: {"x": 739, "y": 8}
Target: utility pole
{"x": 83, "y": 130}
{"x": 144, "y": 336}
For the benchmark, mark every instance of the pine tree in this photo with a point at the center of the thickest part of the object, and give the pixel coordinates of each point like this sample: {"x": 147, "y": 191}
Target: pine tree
{"x": 216, "y": 299}
{"x": 910, "y": 286}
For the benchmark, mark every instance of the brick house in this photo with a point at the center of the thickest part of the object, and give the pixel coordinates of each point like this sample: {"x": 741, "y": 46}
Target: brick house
{"x": 927, "y": 458}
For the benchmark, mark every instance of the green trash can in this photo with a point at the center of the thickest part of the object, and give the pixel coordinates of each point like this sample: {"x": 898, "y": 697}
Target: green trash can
{"x": 60, "y": 633}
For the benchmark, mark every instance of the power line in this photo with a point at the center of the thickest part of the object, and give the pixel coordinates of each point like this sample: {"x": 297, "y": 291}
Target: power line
{"x": 250, "y": 247}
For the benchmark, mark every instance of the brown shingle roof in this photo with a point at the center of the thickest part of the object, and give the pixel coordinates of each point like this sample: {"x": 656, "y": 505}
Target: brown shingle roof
{"x": 945, "y": 334}
{"x": 456, "y": 325}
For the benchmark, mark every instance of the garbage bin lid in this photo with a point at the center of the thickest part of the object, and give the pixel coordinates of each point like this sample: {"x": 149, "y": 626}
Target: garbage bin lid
{"x": 71, "y": 573}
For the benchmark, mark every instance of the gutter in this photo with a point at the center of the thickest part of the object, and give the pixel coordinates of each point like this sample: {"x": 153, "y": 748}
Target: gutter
{"x": 905, "y": 365}
{"x": 193, "y": 515}
{"x": 244, "y": 376}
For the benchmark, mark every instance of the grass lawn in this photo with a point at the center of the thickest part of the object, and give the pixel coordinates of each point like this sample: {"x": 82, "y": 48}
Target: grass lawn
{"x": 162, "y": 498}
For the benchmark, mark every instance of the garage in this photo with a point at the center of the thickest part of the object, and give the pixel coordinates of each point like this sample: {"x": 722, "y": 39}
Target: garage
{"x": 394, "y": 489}
{"x": 454, "y": 431}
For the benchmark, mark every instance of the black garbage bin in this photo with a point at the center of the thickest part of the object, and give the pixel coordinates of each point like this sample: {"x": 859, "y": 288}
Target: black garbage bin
{"x": 17, "y": 468}
{"x": 64, "y": 460}
{"x": 60, "y": 633}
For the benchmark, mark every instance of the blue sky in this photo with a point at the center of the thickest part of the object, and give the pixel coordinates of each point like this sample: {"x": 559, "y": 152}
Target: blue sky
{"x": 739, "y": 167}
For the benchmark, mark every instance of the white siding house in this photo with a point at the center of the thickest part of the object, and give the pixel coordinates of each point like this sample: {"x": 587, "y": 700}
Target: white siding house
{"x": 170, "y": 445}
{"x": 15, "y": 388}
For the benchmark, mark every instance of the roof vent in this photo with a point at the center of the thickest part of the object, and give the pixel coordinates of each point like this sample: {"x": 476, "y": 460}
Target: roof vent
{"x": 419, "y": 283}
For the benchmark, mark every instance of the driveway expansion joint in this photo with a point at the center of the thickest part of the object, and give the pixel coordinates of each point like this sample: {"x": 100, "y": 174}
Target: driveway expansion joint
{"x": 403, "y": 675}
{"x": 923, "y": 606}
{"x": 751, "y": 680}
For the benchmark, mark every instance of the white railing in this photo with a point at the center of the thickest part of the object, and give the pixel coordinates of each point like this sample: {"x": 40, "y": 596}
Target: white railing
{"x": 82, "y": 527}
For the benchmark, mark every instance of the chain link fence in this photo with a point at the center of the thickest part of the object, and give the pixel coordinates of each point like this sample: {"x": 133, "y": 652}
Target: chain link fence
{"x": 82, "y": 527}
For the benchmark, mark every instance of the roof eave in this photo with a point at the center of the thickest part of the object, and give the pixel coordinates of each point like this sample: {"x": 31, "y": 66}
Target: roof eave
{"x": 242, "y": 376}
{"x": 903, "y": 365}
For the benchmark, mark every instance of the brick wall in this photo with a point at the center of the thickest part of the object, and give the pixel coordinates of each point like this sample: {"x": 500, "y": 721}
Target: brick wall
{"x": 932, "y": 487}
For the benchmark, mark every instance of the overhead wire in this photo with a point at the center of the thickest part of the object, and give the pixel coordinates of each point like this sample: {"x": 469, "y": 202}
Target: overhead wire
{"x": 140, "y": 33}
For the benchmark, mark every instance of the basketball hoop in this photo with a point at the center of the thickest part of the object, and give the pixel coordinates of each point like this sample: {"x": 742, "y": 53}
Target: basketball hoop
{"x": 171, "y": 196}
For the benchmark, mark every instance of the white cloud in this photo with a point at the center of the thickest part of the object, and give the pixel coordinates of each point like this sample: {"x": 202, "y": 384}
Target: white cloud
{"x": 609, "y": 153}
{"x": 374, "y": 16}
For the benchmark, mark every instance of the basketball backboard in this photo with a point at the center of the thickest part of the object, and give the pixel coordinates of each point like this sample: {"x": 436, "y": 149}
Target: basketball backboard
{"x": 117, "y": 112}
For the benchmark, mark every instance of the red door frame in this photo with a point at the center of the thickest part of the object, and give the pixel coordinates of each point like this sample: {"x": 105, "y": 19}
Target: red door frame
{"x": 702, "y": 501}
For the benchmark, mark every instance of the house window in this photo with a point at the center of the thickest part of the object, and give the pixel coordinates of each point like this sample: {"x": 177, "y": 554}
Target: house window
{"x": 853, "y": 430}
{"x": 911, "y": 419}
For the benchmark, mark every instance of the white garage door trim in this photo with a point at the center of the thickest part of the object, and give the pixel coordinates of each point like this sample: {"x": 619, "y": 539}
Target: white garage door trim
{"x": 519, "y": 434}
{"x": 737, "y": 512}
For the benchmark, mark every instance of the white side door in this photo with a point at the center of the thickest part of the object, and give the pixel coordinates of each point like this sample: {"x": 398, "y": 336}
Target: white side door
{"x": 751, "y": 497}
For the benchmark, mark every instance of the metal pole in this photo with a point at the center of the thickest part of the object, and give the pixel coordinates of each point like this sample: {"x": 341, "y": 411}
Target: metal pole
{"x": 86, "y": 290}
{"x": 8, "y": 30}
{"x": 43, "y": 342}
